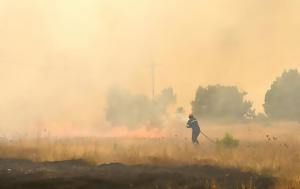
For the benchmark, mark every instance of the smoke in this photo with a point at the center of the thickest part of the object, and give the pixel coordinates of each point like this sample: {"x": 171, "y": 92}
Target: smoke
{"x": 126, "y": 109}
{"x": 59, "y": 58}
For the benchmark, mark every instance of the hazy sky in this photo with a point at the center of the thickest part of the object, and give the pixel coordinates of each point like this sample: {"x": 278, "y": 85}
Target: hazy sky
{"x": 59, "y": 57}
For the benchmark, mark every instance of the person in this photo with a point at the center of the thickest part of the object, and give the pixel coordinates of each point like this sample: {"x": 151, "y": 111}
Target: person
{"x": 193, "y": 124}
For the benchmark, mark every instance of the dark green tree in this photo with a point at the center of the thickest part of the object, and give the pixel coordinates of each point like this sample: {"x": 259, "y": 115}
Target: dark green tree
{"x": 222, "y": 103}
{"x": 282, "y": 100}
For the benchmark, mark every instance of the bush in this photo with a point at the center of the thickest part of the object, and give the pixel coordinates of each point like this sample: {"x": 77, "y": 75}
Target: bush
{"x": 222, "y": 102}
{"x": 282, "y": 100}
{"x": 228, "y": 141}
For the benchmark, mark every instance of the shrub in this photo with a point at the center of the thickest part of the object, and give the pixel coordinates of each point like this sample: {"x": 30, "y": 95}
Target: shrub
{"x": 228, "y": 141}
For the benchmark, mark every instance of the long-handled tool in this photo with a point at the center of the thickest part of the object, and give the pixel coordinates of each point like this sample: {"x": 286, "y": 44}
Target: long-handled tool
{"x": 208, "y": 138}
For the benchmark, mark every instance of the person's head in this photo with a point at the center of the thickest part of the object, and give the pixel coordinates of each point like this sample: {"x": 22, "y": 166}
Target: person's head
{"x": 191, "y": 116}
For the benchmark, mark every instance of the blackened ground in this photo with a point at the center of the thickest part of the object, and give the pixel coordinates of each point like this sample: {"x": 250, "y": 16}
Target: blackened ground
{"x": 73, "y": 174}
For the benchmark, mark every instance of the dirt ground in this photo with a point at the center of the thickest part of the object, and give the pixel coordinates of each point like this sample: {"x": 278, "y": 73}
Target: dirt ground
{"x": 75, "y": 174}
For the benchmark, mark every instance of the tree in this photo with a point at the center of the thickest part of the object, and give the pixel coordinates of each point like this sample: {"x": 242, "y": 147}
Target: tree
{"x": 282, "y": 100}
{"x": 164, "y": 100}
{"x": 126, "y": 109}
{"x": 222, "y": 102}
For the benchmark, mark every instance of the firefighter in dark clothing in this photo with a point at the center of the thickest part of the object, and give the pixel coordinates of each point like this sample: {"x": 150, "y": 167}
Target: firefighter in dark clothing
{"x": 193, "y": 123}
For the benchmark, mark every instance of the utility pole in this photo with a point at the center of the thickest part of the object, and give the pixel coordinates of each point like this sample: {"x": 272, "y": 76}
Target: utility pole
{"x": 153, "y": 66}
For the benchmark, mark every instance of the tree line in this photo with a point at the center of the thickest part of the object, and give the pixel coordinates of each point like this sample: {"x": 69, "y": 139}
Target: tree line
{"x": 213, "y": 102}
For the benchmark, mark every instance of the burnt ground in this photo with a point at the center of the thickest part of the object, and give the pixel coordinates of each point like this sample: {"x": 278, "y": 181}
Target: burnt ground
{"x": 75, "y": 174}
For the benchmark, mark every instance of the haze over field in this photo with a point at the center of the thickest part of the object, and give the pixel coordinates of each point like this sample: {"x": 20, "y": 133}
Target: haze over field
{"x": 58, "y": 58}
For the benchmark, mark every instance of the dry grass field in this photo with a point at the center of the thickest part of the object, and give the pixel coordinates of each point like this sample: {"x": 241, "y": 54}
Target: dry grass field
{"x": 271, "y": 151}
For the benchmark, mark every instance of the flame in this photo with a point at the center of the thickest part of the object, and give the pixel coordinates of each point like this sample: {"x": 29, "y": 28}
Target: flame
{"x": 142, "y": 132}
{"x": 68, "y": 129}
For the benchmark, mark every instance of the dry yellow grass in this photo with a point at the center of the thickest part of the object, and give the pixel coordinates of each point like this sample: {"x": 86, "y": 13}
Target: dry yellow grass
{"x": 277, "y": 154}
